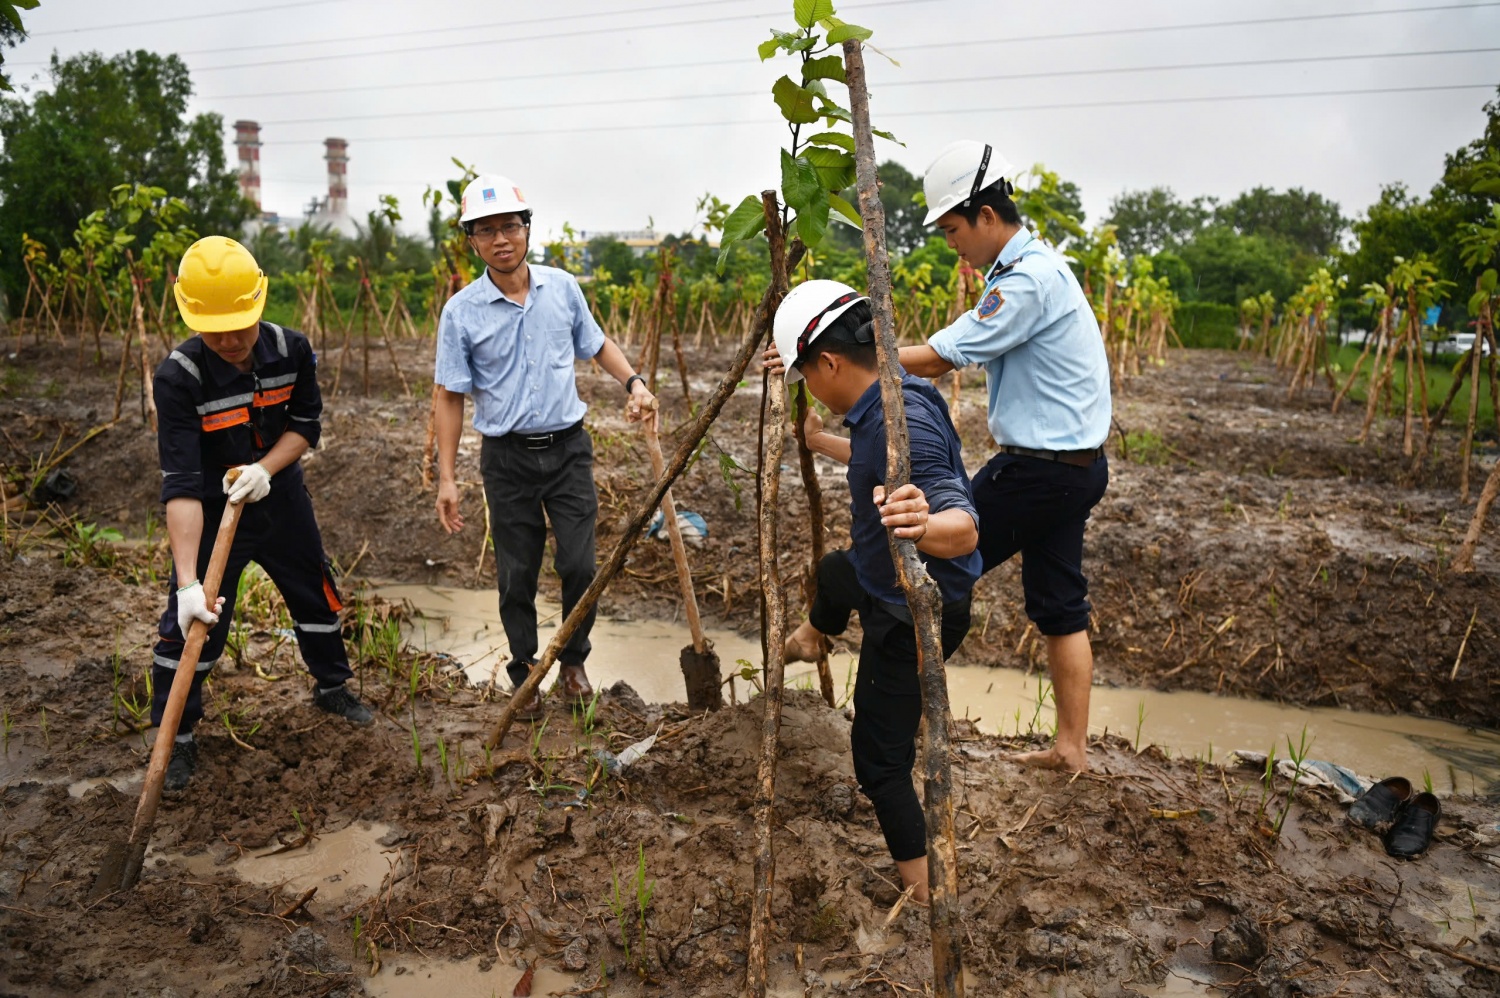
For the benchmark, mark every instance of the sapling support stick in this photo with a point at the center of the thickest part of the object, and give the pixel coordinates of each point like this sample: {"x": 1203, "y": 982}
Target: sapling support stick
{"x": 773, "y": 437}
{"x": 815, "y": 523}
{"x": 922, "y": 595}
{"x": 636, "y": 525}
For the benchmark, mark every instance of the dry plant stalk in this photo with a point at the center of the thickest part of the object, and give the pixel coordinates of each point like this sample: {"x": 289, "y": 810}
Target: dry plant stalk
{"x": 773, "y": 436}
{"x": 922, "y": 595}
{"x": 815, "y": 519}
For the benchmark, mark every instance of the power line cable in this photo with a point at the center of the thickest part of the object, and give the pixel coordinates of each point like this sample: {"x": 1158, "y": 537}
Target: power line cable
{"x": 1014, "y": 39}
{"x": 332, "y": 56}
{"x": 260, "y": 9}
{"x": 1044, "y": 74}
{"x": 494, "y": 133}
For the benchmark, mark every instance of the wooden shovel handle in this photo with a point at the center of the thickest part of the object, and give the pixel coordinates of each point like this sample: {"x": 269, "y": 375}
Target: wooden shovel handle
{"x": 182, "y": 681}
{"x": 674, "y": 533}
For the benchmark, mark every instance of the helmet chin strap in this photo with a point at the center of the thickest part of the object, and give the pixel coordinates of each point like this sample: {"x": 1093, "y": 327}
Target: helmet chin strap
{"x": 979, "y": 184}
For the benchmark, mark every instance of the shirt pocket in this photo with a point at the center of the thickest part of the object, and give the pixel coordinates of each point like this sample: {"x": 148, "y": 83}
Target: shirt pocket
{"x": 559, "y": 346}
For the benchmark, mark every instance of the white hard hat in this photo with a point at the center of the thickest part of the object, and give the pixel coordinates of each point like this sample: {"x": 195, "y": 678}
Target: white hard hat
{"x": 960, "y": 171}
{"x": 491, "y": 194}
{"x": 805, "y": 313}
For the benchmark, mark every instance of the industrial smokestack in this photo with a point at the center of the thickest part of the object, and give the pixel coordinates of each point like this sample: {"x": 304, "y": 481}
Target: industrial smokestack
{"x": 337, "y": 155}
{"x": 247, "y": 141}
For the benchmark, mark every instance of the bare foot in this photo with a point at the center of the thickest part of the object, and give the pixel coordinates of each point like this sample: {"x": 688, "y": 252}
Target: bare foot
{"x": 803, "y": 644}
{"x": 1053, "y": 758}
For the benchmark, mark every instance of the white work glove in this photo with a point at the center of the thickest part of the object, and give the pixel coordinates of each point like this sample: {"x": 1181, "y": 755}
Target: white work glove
{"x": 253, "y": 484}
{"x": 191, "y": 606}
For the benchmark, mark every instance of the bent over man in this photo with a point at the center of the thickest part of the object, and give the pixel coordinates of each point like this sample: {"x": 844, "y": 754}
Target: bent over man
{"x": 509, "y": 339}
{"x": 1035, "y": 334}
{"x": 241, "y": 394}
{"x": 824, "y": 336}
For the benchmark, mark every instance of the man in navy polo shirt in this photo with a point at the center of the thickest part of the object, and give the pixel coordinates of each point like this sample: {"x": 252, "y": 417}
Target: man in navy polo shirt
{"x": 509, "y": 339}
{"x": 1035, "y": 334}
{"x": 825, "y": 337}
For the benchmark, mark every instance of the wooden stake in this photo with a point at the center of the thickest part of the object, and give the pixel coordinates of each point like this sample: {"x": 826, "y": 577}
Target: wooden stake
{"x": 1458, "y": 660}
{"x": 636, "y": 525}
{"x": 1464, "y": 560}
{"x": 922, "y": 595}
{"x": 773, "y": 437}
{"x": 814, "y": 492}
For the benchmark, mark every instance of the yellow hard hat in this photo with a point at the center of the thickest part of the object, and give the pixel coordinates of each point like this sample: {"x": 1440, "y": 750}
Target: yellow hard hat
{"x": 220, "y": 288}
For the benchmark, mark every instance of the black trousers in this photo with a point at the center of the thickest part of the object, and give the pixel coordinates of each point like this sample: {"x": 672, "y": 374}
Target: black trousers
{"x": 1039, "y": 508}
{"x": 280, "y": 534}
{"x": 887, "y": 696}
{"x": 525, "y": 489}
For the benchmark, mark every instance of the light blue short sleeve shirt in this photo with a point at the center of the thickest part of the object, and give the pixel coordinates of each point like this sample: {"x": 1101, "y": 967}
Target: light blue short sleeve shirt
{"x": 516, "y": 361}
{"x": 1036, "y": 336}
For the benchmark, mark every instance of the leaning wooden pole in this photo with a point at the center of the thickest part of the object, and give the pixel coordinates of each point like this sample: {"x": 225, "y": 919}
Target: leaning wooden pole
{"x": 773, "y": 437}
{"x": 646, "y": 508}
{"x": 922, "y": 594}
{"x": 815, "y": 523}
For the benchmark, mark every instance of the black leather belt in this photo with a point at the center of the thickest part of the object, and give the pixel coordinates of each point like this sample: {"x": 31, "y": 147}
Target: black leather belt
{"x": 541, "y": 441}
{"x": 1078, "y": 458}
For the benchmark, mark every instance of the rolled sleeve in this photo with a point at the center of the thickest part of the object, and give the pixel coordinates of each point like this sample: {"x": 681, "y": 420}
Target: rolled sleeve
{"x": 930, "y": 471}
{"x": 972, "y": 340}
{"x": 588, "y": 338}
{"x": 305, "y": 410}
{"x": 452, "y": 369}
{"x": 178, "y": 429}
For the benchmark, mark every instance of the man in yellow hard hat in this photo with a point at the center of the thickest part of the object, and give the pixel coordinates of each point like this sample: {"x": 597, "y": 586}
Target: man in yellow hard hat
{"x": 242, "y": 393}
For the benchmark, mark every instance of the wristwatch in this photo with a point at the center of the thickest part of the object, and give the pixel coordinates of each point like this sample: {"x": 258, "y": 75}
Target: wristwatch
{"x": 630, "y": 381}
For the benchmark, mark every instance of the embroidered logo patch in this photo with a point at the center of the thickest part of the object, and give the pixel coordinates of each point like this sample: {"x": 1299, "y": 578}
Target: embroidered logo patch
{"x": 991, "y": 304}
{"x": 488, "y": 194}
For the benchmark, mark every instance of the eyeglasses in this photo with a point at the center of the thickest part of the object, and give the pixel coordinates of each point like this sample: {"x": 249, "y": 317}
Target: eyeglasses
{"x": 487, "y": 233}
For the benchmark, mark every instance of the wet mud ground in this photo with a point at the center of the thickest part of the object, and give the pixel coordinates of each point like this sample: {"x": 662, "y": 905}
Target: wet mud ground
{"x": 1249, "y": 548}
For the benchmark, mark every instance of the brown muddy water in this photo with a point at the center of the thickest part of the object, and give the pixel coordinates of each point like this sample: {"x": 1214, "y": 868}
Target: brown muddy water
{"x": 465, "y": 624}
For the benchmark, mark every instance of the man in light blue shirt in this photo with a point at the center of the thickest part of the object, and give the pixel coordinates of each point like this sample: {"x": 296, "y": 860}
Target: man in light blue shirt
{"x": 510, "y": 339}
{"x": 1035, "y": 334}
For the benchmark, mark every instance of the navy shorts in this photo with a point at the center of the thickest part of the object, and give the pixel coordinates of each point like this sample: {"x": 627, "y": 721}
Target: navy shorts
{"x": 1039, "y": 507}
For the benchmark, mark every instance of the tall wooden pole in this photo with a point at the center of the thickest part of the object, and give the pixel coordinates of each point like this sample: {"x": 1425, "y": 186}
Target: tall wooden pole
{"x": 815, "y": 523}
{"x": 773, "y": 436}
{"x": 922, "y": 594}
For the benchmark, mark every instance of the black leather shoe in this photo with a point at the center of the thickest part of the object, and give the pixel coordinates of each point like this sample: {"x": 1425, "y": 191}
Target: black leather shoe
{"x": 1379, "y": 804}
{"x": 182, "y": 766}
{"x": 345, "y": 704}
{"x": 1410, "y": 836}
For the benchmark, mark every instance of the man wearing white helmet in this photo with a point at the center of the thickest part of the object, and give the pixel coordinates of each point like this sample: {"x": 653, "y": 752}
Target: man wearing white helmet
{"x": 824, "y": 336}
{"x": 510, "y": 340}
{"x": 1035, "y": 334}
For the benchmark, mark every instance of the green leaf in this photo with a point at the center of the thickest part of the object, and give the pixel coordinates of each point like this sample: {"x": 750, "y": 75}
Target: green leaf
{"x": 812, "y": 225}
{"x": 1489, "y": 187}
{"x": 1476, "y": 302}
{"x": 747, "y": 219}
{"x": 800, "y": 184}
{"x": 828, "y": 109}
{"x": 828, "y": 67}
{"x": 835, "y": 167}
{"x": 1487, "y": 282}
{"x": 842, "y": 141}
{"x": 455, "y": 190}
{"x": 838, "y": 34}
{"x": 796, "y": 102}
{"x": 767, "y": 48}
{"x": 810, "y": 12}
{"x": 888, "y": 137}
{"x": 844, "y": 211}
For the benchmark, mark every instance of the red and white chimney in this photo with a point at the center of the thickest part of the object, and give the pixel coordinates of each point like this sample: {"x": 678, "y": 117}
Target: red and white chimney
{"x": 337, "y": 155}
{"x": 247, "y": 141}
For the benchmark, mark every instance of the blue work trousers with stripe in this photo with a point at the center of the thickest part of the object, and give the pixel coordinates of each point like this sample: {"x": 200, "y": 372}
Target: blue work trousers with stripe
{"x": 279, "y": 533}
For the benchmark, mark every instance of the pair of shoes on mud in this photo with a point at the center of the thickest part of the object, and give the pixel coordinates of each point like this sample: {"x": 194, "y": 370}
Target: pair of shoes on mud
{"x": 572, "y": 683}
{"x": 1411, "y": 818}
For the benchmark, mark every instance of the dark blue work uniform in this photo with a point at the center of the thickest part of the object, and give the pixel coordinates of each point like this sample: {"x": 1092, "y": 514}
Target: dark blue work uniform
{"x": 887, "y": 692}
{"x": 212, "y": 417}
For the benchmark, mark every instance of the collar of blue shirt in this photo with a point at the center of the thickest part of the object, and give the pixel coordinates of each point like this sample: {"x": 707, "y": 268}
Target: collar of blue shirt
{"x": 868, "y": 401}
{"x": 1010, "y": 253}
{"x": 534, "y": 280}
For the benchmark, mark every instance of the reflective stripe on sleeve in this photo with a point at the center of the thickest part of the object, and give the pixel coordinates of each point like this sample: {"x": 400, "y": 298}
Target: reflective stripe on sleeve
{"x": 172, "y": 663}
{"x": 280, "y": 338}
{"x": 332, "y": 628}
{"x": 187, "y": 365}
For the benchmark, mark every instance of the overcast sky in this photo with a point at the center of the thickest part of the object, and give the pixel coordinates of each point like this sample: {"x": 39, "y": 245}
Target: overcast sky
{"x": 610, "y": 114}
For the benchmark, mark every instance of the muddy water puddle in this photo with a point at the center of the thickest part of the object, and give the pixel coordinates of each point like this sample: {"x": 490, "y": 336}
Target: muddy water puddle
{"x": 459, "y": 979}
{"x": 343, "y": 864}
{"x": 644, "y": 653}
